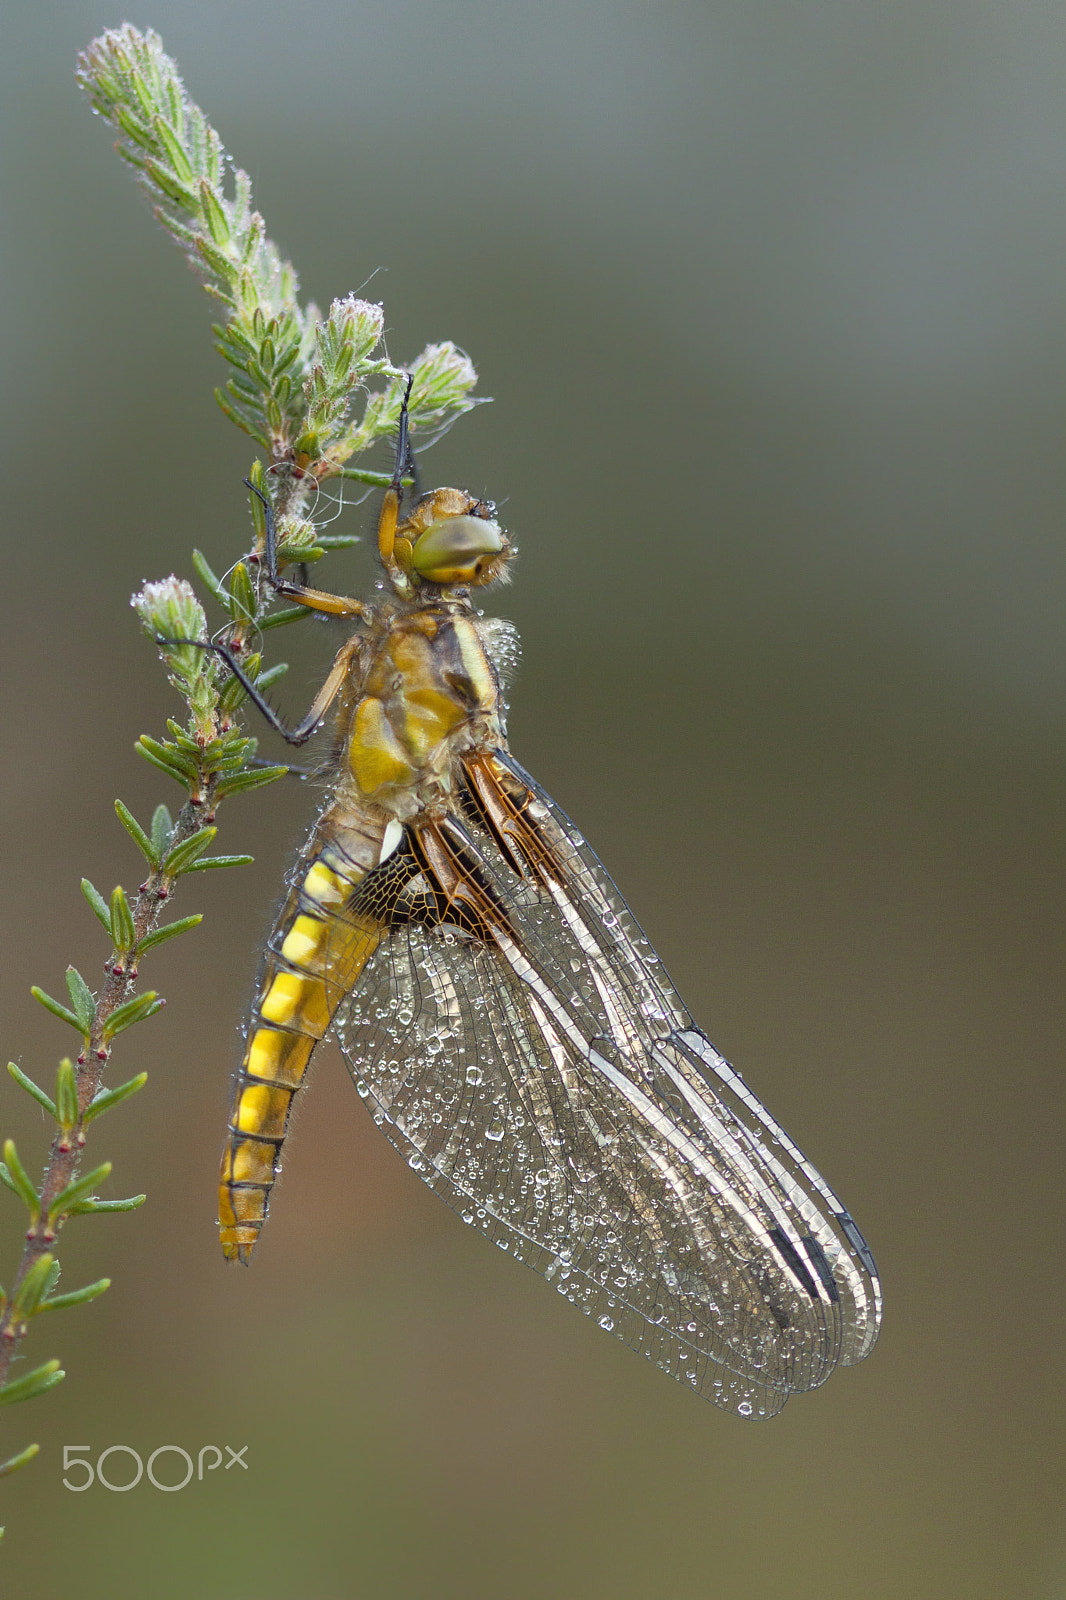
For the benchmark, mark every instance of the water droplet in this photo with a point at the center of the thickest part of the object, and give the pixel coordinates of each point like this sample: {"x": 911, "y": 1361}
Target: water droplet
{"x": 607, "y": 1323}
{"x": 474, "y": 1075}
{"x": 745, "y": 1408}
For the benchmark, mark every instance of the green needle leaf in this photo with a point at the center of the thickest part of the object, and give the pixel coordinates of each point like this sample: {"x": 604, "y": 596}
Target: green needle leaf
{"x": 180, "y": 193}
{"x": 166, "y": 759}
{"x": 31, "y": 1088}
{"x": 172, "y": 929}
{"x": 81, "y": 996}
{"x": 39, "y": 1381}
{"x": 112, "y": 1097}
{"x": 282, "y": 619}
{"x": 124, "y": 932}
{"x": 66, "y": 1095}
{"x": 183, "y": 855}
{"x": 13, "y": 1463}
{"x": 377, "y": 480}
{"x": 135, "y": 1010}
{"x": 233, "y": 693}
{"x": 216, "y": 260}
{"x": 246, "y": 425}
{"x": 214, "y": 215}
{"x": 17, "y": 1178}
{"x": 178, "y": 159}
{"x": 78, "y": 1191}
{"x": 337, "y": 541}
{"x": 243, "y": 781}
{"x": 210, "y": 582}
{"x": 162, "y": 832}
{"x": 98, "y": 904}
{"x": 208, "y": 863}
{"x": 33, "y": 1288}
{"x": 139, "y": 837}
{"x": 58, "y": 1010}
{"x": 242, "y": 594}
{"x": 76, "y": 1297}
{"x": 266, "y": 679}
{"x": 84, "y": 1208}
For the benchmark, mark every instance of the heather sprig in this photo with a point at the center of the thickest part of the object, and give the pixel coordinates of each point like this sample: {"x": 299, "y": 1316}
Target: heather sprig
{"x": 313, "y": 391}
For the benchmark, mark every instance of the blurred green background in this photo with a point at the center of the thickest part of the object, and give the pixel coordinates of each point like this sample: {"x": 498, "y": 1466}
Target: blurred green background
{"x": 770, "y": 300}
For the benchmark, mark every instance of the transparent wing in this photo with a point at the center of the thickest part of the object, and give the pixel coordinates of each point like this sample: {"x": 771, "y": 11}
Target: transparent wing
{"x": 519, "y": 1043}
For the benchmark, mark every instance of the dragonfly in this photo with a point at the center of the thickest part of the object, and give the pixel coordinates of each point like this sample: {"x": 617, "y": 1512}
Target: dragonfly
{"x": 504, "y": 1016}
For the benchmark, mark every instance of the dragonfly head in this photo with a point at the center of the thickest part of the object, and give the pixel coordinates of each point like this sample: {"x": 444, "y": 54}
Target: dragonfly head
{"x": 452, "y": 539}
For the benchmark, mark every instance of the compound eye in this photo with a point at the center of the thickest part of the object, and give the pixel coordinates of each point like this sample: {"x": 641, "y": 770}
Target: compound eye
{"x": 456, "y": 549}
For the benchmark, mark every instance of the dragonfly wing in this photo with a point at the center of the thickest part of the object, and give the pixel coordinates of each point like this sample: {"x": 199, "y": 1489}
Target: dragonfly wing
{"x": 720, "y": 1090}
{"x": 519, "y": 1044}
{"x": 714, "y": 1084}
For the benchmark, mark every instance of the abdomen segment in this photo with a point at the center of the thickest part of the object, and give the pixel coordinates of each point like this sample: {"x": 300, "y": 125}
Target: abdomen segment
{"x": 319, "y": 947}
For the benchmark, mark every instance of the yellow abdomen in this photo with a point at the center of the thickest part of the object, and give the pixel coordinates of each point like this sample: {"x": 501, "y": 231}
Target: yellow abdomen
{"x": 318, "y": 950}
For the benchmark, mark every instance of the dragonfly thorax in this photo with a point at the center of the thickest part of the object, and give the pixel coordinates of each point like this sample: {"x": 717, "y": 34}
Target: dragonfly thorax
{"x": 429, "y": 695}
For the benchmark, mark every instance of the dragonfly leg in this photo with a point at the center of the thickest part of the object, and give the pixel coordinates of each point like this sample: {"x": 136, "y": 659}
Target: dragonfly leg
{"x": 334, "y": 605}
{"x": 338, "y": 673}
{"x": 390, "y": 509}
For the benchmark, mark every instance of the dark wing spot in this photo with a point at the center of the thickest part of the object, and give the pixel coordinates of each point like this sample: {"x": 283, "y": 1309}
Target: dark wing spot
{"x": 820, "y": 1265}
{"x": 794, "y": 1262}
{"x": 858, "y": 1243}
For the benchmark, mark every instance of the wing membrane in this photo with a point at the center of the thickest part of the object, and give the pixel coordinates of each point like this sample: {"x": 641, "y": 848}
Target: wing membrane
{"x": 519, "y": 1043}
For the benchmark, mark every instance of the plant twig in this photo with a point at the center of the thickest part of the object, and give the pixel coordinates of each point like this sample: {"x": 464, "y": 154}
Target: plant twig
{"x": 294, "y": 375}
